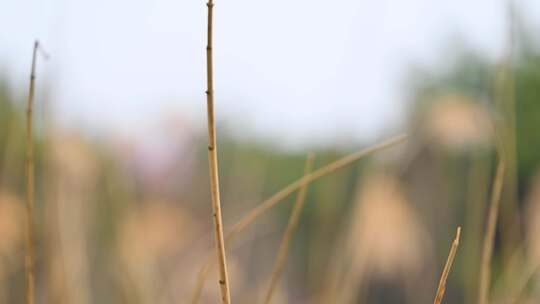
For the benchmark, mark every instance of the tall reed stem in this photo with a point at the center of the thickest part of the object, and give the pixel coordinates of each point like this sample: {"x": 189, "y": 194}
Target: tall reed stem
{"x": 213, "y": 166}
{"x": 446, "y": 271}
{"x": 487, "y": 249}
{"x": 289, "y": 233}
{"x": 29, "y": 255}
{"x": 285, "y": 192}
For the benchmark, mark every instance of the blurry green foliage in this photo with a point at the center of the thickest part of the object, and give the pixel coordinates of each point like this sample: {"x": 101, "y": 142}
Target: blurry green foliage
{"x": 470, "y": 72}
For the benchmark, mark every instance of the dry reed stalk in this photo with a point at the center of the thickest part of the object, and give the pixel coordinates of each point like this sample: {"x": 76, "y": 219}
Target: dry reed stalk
{"x": 478, "y": 182}
{"x": 444, "y": 276}
{"x": 213, "y": 166}
{"x": 308, "y": 178}
{"x": 505, "y": 102}
{"x": 29, "y": 255}
{"x": 487, "y": 249}
{"x": 289, "y": 232}
{"x": 289, "y": 189}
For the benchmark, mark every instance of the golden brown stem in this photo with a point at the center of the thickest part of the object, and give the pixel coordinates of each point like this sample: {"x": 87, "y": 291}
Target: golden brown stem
{"x": 283, "y": 193}
{"x": 505, "y": 102}
{"x": 213, "y": 166}
{"x": 306, "y": 179}
{"x": 289, "y": 232}
{"x": 487, "y": 250}
{"x": 29, "y": 256}
{"x": 444, "y": 276}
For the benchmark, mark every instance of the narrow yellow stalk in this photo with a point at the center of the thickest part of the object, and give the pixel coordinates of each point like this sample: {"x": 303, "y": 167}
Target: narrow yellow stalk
{"x": 487, "y": 250}
{"x": 446, "y": 271}
{"x": 308, "y": 178}
{"x": 29, "y": 255}
{"x": 213, "y": 166}
{"x": 289, "y": 189}
{"x": 504, "y": 96}
{"x": 289, "y": 232}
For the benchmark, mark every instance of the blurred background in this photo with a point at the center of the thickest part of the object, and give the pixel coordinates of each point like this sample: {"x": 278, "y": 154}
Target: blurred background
{"x": 122, "y": 201}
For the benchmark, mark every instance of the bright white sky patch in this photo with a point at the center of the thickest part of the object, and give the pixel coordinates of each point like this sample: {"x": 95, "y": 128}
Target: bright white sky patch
{"x": 302, "y": 71}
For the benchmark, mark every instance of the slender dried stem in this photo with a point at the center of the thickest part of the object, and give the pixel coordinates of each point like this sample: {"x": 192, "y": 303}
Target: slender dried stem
{"x": 444, "y": 276}
{"x": 487, "y": 250}
{"x": 289, "y": 233}
{"x": 306, "y": 179}
{"x": 29, "y": 255}
{"x": 283, "y": 193}
{"x": 505, "y": 102}
{"x": 213, "y": 166}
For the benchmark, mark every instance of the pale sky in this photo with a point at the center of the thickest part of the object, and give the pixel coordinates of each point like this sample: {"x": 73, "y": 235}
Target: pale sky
{"x": 301, "y": 71}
